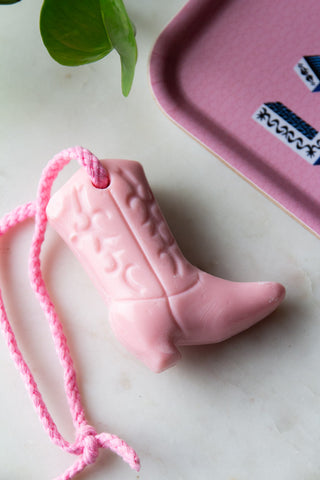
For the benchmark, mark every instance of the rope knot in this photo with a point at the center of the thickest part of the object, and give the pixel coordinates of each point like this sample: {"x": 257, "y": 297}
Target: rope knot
{"x": 91, "y": 446}
{"x": 89, "y": 443}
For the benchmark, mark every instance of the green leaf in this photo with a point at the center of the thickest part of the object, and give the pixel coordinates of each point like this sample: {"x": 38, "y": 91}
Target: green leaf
{"x": 122, "y": 36}
{"x": 73, "y": 31}
{"x": 8, "y": 2}
{"x": 76, "y": 32}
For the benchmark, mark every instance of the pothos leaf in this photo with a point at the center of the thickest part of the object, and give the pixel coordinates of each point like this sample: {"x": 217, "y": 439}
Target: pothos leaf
{"x": 122, "y": 35}
{"x": 8, "y": 2}
{"x": 76, "y": 32}
{"x": 73, "y": 31}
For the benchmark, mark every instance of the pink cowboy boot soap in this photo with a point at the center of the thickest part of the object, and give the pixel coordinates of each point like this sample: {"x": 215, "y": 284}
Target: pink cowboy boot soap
{"x": 157, "y": 300}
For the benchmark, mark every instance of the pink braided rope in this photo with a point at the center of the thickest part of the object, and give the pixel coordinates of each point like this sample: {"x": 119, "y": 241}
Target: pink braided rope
{"x": 88, "y": 442}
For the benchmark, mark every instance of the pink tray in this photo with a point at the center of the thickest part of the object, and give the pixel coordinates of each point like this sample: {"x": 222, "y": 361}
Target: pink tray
{"x": 236, "y": 76}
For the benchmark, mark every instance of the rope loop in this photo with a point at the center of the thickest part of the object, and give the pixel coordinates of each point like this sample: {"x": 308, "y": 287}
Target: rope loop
{"x": 88, "y": 442}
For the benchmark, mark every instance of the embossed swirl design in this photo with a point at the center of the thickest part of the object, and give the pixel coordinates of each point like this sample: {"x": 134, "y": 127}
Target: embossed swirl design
{"x": 93, "y": 227}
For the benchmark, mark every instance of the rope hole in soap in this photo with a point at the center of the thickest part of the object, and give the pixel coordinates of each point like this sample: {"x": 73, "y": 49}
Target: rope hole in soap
{"x": 102, "y": 185}
{"x": 99, "y": 175}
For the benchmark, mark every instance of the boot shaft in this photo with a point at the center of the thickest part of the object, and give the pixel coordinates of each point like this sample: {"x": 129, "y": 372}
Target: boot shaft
{"x": 120, "y": 235}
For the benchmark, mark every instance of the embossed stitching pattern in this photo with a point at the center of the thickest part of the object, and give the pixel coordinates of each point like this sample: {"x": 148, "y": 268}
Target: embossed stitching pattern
{"x": 141, "y": 197}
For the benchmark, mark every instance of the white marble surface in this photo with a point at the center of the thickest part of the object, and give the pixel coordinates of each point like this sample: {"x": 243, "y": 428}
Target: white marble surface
{"x": 244, "y": 409}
